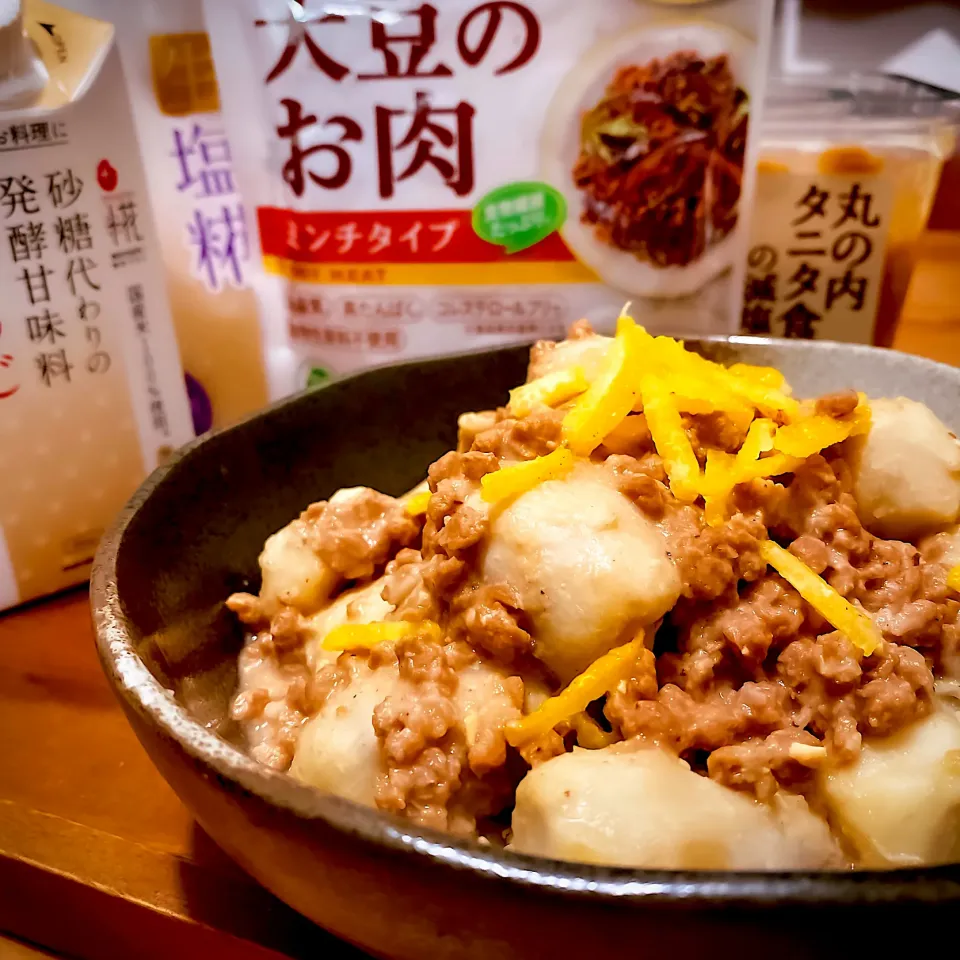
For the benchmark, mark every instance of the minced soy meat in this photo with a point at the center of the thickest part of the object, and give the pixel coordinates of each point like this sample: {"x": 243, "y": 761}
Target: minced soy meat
{"x": 741, "y": 677}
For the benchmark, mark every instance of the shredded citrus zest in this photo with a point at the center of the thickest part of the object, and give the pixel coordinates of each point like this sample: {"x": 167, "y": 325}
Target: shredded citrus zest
{"x": 718, "y": 483}
{"x": 759, "y": 440}
{"x": 862, "y": 418}
{"x": 767, "y": 376}
{"x": 590, "y": 734}
{"x": 670, "y": 438}
{"x": 707, "y": 398}
{"x": 770, "y": 401}
{"x": 550, "y": 390}
{"x": 610, "y": 397}
{"x": 772, "y": 466}
{"x": 724, "y": 471}
{"x": 842, "y": 615}
{"x": 953, "y": 578}
{"x": 689, "y": 402}
{"x": 517, "y": 478}
{"x": 626, "y": 434}
{"x": 598, "y": 679}
{"x": 417, "y": 504}
{"x": 698, "y": 383}
{"x": 355, "y": 636}
{"x": 811, "y": 434}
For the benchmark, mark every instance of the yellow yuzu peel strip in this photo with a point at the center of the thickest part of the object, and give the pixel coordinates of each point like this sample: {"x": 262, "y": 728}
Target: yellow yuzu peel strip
{"x": 417, "y": 504}
{"x": 550, "y": 390}
{"x": 356, "y": 636}
{"x": 517, "y": 478}
{"x": 598, "y": 679}
{"x": 838, "y": 612}
{"x": 609, "y": 399}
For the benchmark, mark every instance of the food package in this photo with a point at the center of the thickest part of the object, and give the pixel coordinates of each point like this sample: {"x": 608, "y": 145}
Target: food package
{"x": 204, "y": 233}
{"x": 92, "y": 394}
{"x": 429, "y": 178}
{"x": 848, "y": 171}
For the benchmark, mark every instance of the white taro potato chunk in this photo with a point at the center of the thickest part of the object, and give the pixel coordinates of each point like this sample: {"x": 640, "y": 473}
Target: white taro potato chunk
{"x": 337, "y": 750}
{"x": 590, "y": 353}
{"x": 899, "y": 801}
{"x": 589, "y": 568}
{"x": 906, "y": 470}
{"x": 630, "y": 807}
{"x": 291, "y": 573}
{"x": 942, "y": 547}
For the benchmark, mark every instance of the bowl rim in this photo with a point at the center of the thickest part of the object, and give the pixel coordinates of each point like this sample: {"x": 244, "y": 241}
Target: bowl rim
{"x": 146, "y": 696}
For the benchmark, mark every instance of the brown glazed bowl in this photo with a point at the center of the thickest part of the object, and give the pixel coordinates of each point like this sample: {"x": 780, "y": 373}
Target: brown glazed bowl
{"x": 191, "y": 536}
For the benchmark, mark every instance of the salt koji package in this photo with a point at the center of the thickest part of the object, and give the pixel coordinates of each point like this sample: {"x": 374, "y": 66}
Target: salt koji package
{"x": 200, "y": 216}
{"x": 91, "y": 390}
{"x": 435, "y": 177}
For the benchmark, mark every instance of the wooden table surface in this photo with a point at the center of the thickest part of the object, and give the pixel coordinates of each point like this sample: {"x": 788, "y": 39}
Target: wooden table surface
{"x": 98, "y": 859}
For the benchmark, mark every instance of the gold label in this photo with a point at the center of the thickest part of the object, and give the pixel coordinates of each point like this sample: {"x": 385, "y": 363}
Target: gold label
{"x": 184, "y": 80}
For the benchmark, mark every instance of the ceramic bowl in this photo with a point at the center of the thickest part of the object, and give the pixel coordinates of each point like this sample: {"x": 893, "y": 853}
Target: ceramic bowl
{"x": 191, "y": 536}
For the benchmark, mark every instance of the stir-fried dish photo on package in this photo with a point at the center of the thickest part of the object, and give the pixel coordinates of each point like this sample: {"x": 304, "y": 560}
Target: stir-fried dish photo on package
{"x": 454, "y": 176}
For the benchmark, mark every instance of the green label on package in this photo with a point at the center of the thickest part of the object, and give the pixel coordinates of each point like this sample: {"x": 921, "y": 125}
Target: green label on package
{"x": 316, "y": 376}
{"x": 518, "y": 215}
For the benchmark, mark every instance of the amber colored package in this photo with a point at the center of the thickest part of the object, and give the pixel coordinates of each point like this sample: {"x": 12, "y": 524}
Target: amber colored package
{"x": 438, "y": 177}
{"x": 848, "y": 170}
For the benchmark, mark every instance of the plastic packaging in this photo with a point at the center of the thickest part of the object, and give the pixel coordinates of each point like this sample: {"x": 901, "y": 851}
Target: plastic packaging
{"x": 437, "y": 177}
{"x": 205, "y": 235}
{"x": 847, "y": 175}
{"x": 91, "y": 389}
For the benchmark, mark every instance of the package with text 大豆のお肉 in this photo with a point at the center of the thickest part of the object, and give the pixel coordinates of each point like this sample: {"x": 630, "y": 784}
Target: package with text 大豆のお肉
{"x": 432, "y": 177}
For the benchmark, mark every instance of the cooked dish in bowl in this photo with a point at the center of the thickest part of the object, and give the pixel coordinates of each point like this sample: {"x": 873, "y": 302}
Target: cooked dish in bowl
{"x": 653, "y": 612}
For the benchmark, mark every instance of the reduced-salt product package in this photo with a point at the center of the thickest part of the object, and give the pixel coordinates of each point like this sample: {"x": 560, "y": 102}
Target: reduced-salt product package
{"x": 847, "y": 173}
{"x": 201, "y": 219}
{"x": 431, "y": 177}
{"x": 92, "y": 395}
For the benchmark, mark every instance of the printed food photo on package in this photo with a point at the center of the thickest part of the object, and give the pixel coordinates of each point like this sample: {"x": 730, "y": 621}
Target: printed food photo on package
{"x": 659, "y": 140}
{"x": 437, "y": 177}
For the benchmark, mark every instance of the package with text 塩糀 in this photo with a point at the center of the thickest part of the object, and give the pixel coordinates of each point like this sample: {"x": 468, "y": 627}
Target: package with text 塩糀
{"x": 92, "y": 395}
{"x": 204, "y": 231}
{"x": 432, "y": 177}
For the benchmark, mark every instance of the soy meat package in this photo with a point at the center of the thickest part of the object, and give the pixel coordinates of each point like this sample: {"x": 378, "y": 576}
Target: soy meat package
{"x": 92, "y": 395}
{"x": 428, "y": 178}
